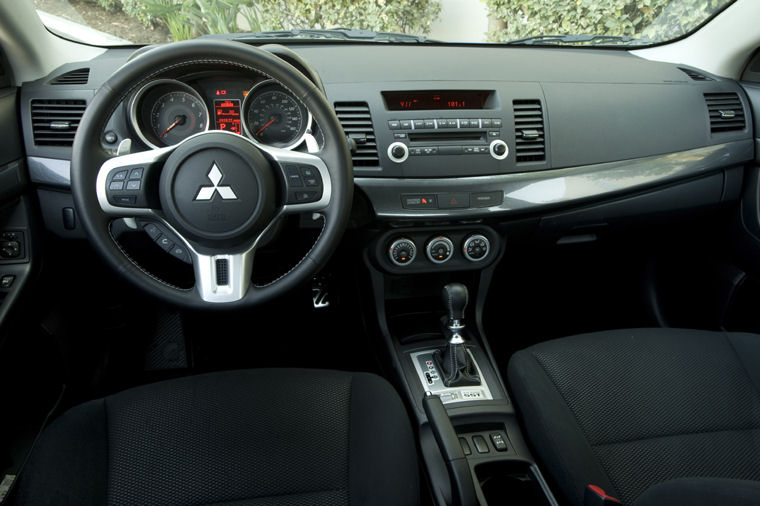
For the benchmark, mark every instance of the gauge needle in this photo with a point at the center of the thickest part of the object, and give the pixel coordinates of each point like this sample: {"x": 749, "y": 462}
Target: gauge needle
{"x": 262, "y": 128}
{"x": 177, "y": 121}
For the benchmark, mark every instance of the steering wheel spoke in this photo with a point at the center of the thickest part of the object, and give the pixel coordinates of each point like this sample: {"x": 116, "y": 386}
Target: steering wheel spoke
{"x": 127, "y": 185}
{"x": 223, "y": 277}
{"x": 305, "y": 180}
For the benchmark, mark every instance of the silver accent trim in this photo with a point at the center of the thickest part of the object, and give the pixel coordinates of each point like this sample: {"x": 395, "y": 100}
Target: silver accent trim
{"x": 393, "y": 158}
{"x": 137, "y": 96}
{"x": 472, "y": 238}
{"x": 440, "y": 238}
{"x": 244, "y": 116}
{"x": 49, "y": 171}
{"x": 495, "y": 143}
{"x": 448, "y": 394}
{"x": 548, "y": 188}
{"x": 240, "y": 266}
{"x": 412, "y": 254}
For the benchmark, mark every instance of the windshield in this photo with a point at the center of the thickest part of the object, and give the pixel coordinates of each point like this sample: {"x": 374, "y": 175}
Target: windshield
{"x": 536, "y": 22}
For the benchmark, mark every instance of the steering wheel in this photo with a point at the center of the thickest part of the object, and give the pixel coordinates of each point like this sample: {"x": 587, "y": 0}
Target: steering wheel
{"x": 218, "y": 192}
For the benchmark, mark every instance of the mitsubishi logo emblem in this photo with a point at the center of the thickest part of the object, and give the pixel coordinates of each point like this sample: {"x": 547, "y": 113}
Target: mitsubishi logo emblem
{"x": 207, "y": 192}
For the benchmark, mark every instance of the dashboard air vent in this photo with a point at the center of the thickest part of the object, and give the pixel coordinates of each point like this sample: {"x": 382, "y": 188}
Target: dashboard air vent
{"x": 726, "y": 112}
{"x": 54, "y": 122}
{"x": 694, "y": 75}
{"x": 78, "y": 76}
{"x": 357, "y": 123}
{"x": 530, "y": 144}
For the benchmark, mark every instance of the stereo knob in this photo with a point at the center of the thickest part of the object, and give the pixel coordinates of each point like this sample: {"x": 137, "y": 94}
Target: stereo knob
{"x": 476, "y": 247}
{"x": 398, "y": 152}
{"x": 499, "y": 149}
{"x": 402, "y": 251}
{"x": 439, "y": 249}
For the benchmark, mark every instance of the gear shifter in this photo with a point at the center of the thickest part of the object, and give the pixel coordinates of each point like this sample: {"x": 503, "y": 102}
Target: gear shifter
{"x": 454, "y": 361}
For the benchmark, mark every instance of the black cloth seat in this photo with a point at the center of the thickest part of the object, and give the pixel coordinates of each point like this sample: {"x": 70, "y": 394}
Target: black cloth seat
{"x": 257, "y": 437}
{"x": 627, "y": 410}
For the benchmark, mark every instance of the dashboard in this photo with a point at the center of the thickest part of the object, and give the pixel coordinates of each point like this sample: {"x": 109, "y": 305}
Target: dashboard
{"x": 450, "y": 134}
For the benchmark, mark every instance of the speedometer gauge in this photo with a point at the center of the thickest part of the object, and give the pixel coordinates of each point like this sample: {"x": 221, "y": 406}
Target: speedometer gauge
{"x": 273, "y": 116}
{"x": 166, "y": 112}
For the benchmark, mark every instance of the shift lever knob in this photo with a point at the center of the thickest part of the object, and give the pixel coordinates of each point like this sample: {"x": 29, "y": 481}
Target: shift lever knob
{"x": 455, "y": 298}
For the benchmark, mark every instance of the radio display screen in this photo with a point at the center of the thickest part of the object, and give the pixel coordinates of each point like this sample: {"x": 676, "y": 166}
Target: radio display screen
{"x": 435, "y": 100}
{"x": 227, "y": 113}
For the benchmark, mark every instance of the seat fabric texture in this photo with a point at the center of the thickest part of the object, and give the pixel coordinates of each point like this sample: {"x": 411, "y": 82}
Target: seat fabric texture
{"x": 254, "y": 437}
{"x": 629, "y": 409}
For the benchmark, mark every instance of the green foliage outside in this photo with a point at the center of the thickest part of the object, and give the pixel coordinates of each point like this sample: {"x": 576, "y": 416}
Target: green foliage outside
{"x": 650, "y": 19}
{"x": 186, "y": 19}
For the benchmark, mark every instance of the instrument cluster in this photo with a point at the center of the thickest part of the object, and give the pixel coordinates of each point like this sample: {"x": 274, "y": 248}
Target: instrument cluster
{"x": 164, "y": 112}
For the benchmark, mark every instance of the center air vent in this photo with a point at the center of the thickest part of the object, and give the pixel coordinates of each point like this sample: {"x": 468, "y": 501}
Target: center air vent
{"x": 54, "y": 122}
{"x": 530, "y": 144}
{"x": 357, "y": 123}
{"x": 694, "y": 75}
{"x": 78, "y": 76}
{"x": 726, "y": 112}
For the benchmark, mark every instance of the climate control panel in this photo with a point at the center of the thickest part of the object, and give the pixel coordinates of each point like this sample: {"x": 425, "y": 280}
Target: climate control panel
{"x": 432, "y": 249}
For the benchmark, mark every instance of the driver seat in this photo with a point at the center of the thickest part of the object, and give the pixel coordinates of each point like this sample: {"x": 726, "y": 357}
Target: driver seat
{"x": 253, "y": 437}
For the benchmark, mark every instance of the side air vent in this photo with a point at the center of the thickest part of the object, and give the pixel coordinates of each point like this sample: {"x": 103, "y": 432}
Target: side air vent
{"x": 357, "y": 123}
{"x": 54, "y": 122}
{"x": 726, "y": 112}
{"x": 530, "y": 143}
{"x": 78, "y": 76}
{"x": 694, "y": 75}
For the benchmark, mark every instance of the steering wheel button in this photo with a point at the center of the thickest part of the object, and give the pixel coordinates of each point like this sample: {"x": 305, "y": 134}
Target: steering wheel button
{"x": 133, "y": 185}
{"x": 152, "y": 230}
{"x": 165, "y": 243}
{"x": 116, "y": 185}
{"x": 179, "y": 253}
{"x": 120, "y": 176}
{"x": 307, "y": 171}
{"x": 124, "y": 200}
{"x": 136, "y": 173}
{"x": 311, "y": 181}
{"x": 305, "y": 196}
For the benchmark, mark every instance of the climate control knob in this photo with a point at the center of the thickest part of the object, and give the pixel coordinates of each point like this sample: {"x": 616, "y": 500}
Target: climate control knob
{"x": 476, "y": 247}
{"x": 439, "y": 249}
{"x": 398, "y": 152}
{"x": 402, "y": 251}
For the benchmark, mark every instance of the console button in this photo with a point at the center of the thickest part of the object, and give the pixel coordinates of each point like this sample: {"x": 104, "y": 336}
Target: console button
{"x": 419, "y": 124}
{"x": 452, "y": 123}
{"x": 429, "y": 150}
{"x": 453, "y": 200}
{"x": 468, "y": 149}
{"x": 480, "y": 444}
{"x": 406, "y": 124}
{"x": 476, "y": 248}
{"x": 6, "y": 281}
{"x": 394, "y": 125}
{"x": 496, "y": 123}
{"x": 498, "y": 442}
{"x": 487, "y": 199}
{"x": 429, "y": 123}
{"x": 419, "y": 201}
{"x": 465, "y": 446}
{"x": 485, "y": 123}
{"x": 400, "y": 135}
{"x": 493, "y": 134}
{"x": 464, "y": 123}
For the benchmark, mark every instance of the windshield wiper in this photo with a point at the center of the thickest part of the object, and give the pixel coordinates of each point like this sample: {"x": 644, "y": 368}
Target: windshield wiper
{"x": 594, "y": 40}
{"x": 347, "y": 34}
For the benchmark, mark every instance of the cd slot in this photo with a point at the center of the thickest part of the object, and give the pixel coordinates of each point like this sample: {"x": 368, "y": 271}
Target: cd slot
{"x": 430, "y": 137}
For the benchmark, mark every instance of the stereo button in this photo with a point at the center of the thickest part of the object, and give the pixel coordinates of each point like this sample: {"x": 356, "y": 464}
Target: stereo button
{"x": 394, "y": 125}
{"x": 429, "y": 123}
{"x": 406, "y": 124}
{"x": 419, "y": 124}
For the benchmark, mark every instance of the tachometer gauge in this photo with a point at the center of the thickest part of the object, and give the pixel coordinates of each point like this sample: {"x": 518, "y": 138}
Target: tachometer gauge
{"x": 166, "y": 112}
{"x": 274, "y": 117}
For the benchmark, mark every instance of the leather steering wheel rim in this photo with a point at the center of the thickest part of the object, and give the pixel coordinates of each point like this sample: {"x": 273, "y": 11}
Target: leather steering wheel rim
{"x": 88, "y": 157}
